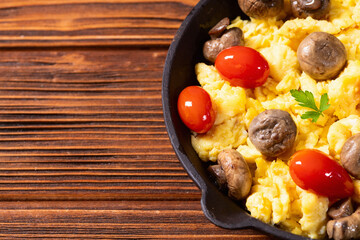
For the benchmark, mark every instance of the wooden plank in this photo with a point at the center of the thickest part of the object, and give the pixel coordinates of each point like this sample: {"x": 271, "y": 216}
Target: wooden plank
{"x": 90, "y": 23}
{"x": 84, "y": 123}
{"x": 112, "y": 220}
{"x": 81, "y": 120}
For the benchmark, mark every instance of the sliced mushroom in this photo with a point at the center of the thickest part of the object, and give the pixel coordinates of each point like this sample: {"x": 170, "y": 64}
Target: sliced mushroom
{"x": 237, "y": 173}
{"x": 273, "y": 132}
{"x": 219, "y": 28}
{"x": 261, "y": 8}
{"x": 350, "y": 155}
{"x": 222, "y": 39}
{"x": 219, "y": 175}
{"x": 231, "y": 37}
{"x": 345, "y": 228}
{"x": 343, "y": 208}
{"x": 317, "y": 9}
{"x": 321, "y": 55}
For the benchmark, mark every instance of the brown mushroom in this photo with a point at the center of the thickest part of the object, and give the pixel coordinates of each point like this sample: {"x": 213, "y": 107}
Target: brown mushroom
{"x": 261, "y": 8}
{"x": 273, "y": 132}
{"x": 219, "y": 176}
{"x": 340, "y": 209}
{"x": 350, "y": 155}
{"x": 237, "y": 173}
{"x": 317, "y": 9}
{"x": 222, "y": 39}
{"x": 345, "y": 228}
{"x": 321, "y": 55}
{"x": 219, "y": 28}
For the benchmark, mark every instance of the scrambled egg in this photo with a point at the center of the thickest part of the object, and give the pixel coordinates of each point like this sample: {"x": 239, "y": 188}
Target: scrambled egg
{"x": 274, "y": 197}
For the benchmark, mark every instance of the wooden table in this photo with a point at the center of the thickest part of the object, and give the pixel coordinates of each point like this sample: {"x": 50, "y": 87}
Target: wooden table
{"x": 83, "y": 147}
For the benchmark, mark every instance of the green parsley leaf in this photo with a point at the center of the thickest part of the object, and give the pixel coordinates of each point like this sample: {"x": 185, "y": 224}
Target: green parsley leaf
{"x": 324, "y": 102}
{"x": 306, "y": 99}
{"x": 311, "y": 114}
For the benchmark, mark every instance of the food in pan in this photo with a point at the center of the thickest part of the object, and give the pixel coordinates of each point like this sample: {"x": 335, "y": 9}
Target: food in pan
{"x": 279, "y": 122}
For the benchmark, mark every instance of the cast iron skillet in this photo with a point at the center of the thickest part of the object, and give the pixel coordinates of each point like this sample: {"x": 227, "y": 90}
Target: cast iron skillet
{"x": 184, "y": 52}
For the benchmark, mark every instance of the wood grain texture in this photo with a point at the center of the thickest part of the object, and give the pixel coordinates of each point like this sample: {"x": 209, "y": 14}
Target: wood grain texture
{"x": 84, "y": 152}
{"x": 87, "y": 125}
{"x": 90, "y": 22}
{"x": 112, "y": 220}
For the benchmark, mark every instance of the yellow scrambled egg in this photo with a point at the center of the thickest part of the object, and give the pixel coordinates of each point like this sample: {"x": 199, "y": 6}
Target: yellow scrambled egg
{"x": 274, "y": 198}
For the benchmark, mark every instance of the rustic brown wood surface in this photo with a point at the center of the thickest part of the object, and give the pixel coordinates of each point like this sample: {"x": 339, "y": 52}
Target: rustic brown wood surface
{"x": 84, "y": 151}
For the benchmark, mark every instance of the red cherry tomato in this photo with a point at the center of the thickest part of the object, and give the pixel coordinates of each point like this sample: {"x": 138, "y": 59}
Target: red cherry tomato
{"x": 242, "y": 67}
{"x": 315, "y": 171}
{"x": 195, "y": 109}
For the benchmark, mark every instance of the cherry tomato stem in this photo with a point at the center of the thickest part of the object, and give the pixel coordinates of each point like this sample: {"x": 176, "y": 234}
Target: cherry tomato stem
{"x": 195, "y": 109}
{"x": 315, "y": 171}
{"x": 242, "y": 67}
